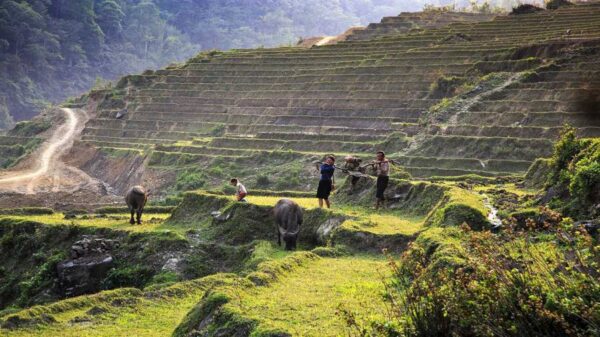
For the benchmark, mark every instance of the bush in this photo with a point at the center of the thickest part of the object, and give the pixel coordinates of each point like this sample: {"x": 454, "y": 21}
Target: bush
{"x": 190, "y": 180}
{"x": 567, "y": 147}
{"x": 556, "y": 4}
{"x": 30, "y": 128}
{"x": 525, "y": 9}
{"x": 218, "y": 130}
{"x": 575, "y": 167}
{"x": 289, "y": 179}
{"x": 27, "y": 211}
{"x": 453, "y": 282}
{"x": 128, "y": 276}
{"x": 446, "y": 86}
{"x": 262, "y": 181}
{"x": 227, "y": 189}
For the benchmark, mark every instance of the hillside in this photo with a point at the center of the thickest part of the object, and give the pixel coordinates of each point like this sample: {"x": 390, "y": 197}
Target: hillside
{"x": 490, "y": 224}
{"x": 482, "y": 98}
{"x": 52, "y": 50}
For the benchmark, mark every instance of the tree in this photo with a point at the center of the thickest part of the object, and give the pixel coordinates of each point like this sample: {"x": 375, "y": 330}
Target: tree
{"x": 109, "y": 17}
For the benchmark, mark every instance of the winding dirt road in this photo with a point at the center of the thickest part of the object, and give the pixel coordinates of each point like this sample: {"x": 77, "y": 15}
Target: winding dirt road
{"x": 53, "y": 149}
{"x": 44, "y": 171}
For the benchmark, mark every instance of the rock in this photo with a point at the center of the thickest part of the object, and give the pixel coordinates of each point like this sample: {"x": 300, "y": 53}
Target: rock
{"x": 89, "y": 264}
{"x": 171, "y": 265}
{"x": 83, "y": 275}
{"x": 326, "y": 228}
{"x": 94, "y": 311}
{"x": 222, "y": 217}
{"x": 591, "y": 226}
{"x": 90, "y": 246}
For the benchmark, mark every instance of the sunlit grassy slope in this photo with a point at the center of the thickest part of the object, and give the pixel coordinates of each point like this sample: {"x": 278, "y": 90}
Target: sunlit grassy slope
{"x": 382, "y": 222}
{"x": 317, "y": 293}
{"x": 151, "y": 222}
{"x": 123, "y": 312}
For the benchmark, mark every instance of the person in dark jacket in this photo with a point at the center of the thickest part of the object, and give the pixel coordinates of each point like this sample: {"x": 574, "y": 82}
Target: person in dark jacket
{"x": 382, "y": 167}
{"x": 326, "y": 183}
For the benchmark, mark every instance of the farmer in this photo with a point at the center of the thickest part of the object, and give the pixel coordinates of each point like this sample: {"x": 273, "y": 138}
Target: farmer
{"x": 382, "y": 168}
{"x": 240, "y": 193}
{"x": 326, "y": 183}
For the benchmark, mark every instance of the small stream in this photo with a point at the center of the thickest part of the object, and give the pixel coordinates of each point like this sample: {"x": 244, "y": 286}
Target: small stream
{"x": 493, "y": 215}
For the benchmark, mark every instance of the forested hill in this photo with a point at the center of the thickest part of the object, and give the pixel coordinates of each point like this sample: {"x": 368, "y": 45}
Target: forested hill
{"x": 53, "y": 49}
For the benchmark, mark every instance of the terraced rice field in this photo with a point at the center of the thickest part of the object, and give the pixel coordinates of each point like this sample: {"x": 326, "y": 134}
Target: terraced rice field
{"x": 376, "y": 91}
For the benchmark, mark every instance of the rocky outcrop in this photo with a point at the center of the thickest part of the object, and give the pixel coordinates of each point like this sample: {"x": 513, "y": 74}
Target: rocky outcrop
{"x": 90, "y": 262}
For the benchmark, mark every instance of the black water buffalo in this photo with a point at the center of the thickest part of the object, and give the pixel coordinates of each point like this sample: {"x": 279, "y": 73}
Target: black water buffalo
{"x": 288, "y": 216}
{"x": 136, "y": 199}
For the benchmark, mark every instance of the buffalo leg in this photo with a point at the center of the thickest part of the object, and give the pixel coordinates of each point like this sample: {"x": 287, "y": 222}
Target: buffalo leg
{"x": 279, "y": 238}
{"x": 139, "y": 217}
{"x": 131, "y": 221}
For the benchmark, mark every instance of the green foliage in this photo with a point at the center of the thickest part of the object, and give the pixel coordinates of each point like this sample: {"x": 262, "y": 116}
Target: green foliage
{"x": 50, "y": 50}
{"x": 458, "y": 282}
{"x": 289, "y": 179}
{"x": 567, "y": 147}
{"x": 556, "y": 4}
{"x": 30, "y": 128}
{"x": 27, "y": 211}
{"x": 42, "y": 279}
{"x": 538, "y": 172}
{"x": 165, "y": 277}
{"x": 227, "y": 189}
{"x": 148, "y": 209}
{"x": 575, "y": 167}
{"x": 446, "y": 86}
{"x": 191, "y": 179}
{"x": 218, "y": 130}
{"x": 263, "y": 181}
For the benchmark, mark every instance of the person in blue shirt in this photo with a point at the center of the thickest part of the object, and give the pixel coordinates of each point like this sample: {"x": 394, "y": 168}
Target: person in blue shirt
{"x": 326, "y": 182}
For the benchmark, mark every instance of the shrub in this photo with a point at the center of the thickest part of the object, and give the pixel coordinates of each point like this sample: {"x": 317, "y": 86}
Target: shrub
{"x": 289, "y": 179}
{"x": 525, "y": 9}
{"x": 190, "y": 180}
{"x": 446, "y": 86}
{"x": 30, "y": 128}
{"x": 218, "y": 130}
{"x": 128, "y": 276}
{"x": 575, "y": 167}
{"x": 27, "y": 211}
{"x": 564, "y": 151}
{"x": 263, "y": 181}
{"x": 455, "y": 282}
{"x": 556, "y": 4}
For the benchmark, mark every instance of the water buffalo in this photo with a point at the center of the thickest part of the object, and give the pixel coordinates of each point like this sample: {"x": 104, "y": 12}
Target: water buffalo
{"x": 136, "y": 199}
{"x": 288, "y": 216}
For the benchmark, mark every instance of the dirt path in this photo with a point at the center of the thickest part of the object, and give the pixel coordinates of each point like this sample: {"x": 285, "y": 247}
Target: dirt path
{"x": 44, "y": 171}
{"x": 53, "y": 149}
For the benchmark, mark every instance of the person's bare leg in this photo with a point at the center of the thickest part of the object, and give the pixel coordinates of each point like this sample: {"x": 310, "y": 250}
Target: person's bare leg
{"x": 320, "y": 203}
{"x": 327, "y": 203}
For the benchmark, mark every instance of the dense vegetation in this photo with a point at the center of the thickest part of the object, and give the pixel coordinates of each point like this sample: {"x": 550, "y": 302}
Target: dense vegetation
{"x": 574, "y": 179}
{"x": 52, "y": 49}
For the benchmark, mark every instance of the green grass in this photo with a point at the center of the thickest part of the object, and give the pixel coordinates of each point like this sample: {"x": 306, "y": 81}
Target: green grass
{"x": 383, "y": 223}
{"x": 131, "y": 313}
{"x": 271, "y": 201}
{"x": 314, "y": 293}
{"x": 292, "y": 294}
{"x": 150, "y": 222}
{"x": 386, "y": 224}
